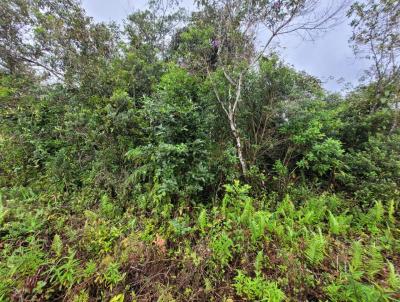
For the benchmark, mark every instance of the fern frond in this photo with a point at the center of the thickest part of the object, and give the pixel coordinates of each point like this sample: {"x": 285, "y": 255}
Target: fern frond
{"x": 334, "y": 225}
{"x": 259, "y": 262}
{"x": 391, "y": 211}
{"x": 248, "y": 210}
{"x": 376, "y": 262}
{"x": 379, "y": 212}
{"x": 57, "y": 245}
{"x": 357, "y": 257}
{"x": 202, "y": 220}
{"x": 315, "y": 251}
{"x": 393, "y": 278}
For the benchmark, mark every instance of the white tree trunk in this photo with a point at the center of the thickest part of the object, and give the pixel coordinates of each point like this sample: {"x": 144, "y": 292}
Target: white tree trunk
{"x": 238, "y": 141}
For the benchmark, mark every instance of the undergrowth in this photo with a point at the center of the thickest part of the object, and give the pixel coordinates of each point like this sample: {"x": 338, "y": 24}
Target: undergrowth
{"x": 241, "y": 248}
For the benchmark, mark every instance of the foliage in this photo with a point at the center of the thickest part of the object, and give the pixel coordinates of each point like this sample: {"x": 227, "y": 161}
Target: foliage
{"x": 171, "y": 160}
{"x": 257, "y": 288}
{"x": 316, "y": 248}
{"x": 372, "y": 173}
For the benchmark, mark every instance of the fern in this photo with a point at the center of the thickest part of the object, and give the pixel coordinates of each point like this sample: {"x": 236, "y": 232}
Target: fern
{"x": 339, "y": 224}
{"x": 376, "y": 262}
{"x": 315, "y": 251}
{"x": 378, "y": 212}
{"x": 25, "y": 261}
{"x": 375, "y": 217}
{"x": 257, "y": 289}
{"x": 393, "y": 278}
{"x": 308, "y": 218}
{"x": 317, "y": 209}
{"x": 259, "y": 262}
{"x": 357, "y": 257}
{"x": 57, "y": 245}
{"x": 3, "y": 211}
{"x": 257, "y": 226}
{"x": 221, "y": 248}
{"x": 286, "y": 207}
{"x": 391, "y": 211}
{"x": 354, "y": 291}
{"x": 290, "y": 234}
{"x": 202, "y": 220}
{"x": 248, "y": 211}
{"x": 334, "y": 225}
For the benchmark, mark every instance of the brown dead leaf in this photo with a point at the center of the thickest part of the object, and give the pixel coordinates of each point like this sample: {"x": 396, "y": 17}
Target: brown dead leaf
{"x": 160, "y": 243}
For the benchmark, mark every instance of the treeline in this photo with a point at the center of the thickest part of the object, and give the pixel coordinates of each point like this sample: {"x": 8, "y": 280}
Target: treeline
{"x": 177, "y": 157}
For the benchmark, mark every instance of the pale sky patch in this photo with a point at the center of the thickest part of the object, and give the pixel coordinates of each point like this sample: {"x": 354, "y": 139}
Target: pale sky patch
{"x": 330, "y": 57}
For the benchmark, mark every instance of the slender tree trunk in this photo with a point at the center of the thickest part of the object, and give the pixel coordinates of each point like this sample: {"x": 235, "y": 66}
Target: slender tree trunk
{"x": 238, "y": 141}
{"x": 232, "y": 123}
{"x": 230, "y": 110}
{"x": 396, "y": 116}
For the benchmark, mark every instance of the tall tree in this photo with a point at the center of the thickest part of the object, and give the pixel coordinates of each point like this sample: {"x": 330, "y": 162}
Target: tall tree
{"x": 244, "y": 32}
{"x": 376, "y": 37}
{"x": 155, "y": 26}
{"x": 52, "y": 37}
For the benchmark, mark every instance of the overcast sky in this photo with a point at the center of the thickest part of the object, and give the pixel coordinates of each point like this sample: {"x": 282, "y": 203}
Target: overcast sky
{"x": 328, "y": 56}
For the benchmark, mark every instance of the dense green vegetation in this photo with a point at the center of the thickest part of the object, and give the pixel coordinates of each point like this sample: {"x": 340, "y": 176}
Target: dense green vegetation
{"x": 176, "y": 159}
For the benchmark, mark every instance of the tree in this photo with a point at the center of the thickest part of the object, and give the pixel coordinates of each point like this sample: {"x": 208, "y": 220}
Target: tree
{"x": 240, "y": 41}
{"x": 376, "y": 37}
{"x": 155, "y": 26}
{"x": 53, "y": 38}
{"x": 176, "y": 161}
